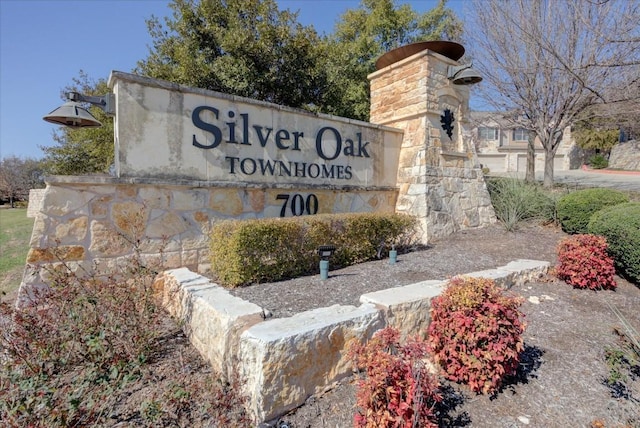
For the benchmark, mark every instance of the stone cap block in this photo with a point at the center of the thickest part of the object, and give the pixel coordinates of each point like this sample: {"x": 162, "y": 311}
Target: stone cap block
{"x": 286, "y": 360}
{"x": 214, "y": 296}
{"x": 521, "y": 265}
{"x": 408, "y": 293}
{"x": 515, "y": 272}
{"x": 501, "y": 277}
{"x": 307, "y": 322}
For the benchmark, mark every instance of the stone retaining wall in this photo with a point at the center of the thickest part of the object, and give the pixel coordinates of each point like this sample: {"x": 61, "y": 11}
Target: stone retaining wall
{"x": 284, "y": 361}
{"x": 625, "y": 156}
{"x": 100, "y": 221}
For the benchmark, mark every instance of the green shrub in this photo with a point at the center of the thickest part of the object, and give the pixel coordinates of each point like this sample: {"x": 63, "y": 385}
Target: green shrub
{"x": 576, "y": 208}
{"x": 620, "y": 224}
{"x": 598, "y": 162}
{"x": 256, "y": 250}
{"x": 584, "y": 263}
{"x": 475, "y": 333}
{"x": 250, "y": 251}
{"x": 397, "y": 390}
{"x": 515, "y": 200}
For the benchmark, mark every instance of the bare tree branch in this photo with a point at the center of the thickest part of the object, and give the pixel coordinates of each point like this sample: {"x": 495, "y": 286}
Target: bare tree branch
{"x": 551, "y": 60}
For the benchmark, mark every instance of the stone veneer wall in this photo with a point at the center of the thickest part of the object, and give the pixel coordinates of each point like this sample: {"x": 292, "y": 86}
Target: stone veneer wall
{"x": 94, "y": 219}
{"x": 35, "y": 201}
{"x": 439, "y": 177}
{"x": 625, "y": 156}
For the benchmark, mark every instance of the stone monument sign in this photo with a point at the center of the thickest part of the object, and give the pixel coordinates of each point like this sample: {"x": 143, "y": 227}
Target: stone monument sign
{"x": 186, "y": 158}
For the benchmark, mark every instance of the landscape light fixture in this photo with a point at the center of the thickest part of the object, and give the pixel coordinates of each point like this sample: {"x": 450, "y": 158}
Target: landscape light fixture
{"x": 463, "y": 75}
{"x": 325, "y": 251}
{"x": 74, "y": 115}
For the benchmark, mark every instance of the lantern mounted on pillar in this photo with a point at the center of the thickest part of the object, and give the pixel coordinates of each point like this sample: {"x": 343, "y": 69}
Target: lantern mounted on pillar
{"x": 74, "y": 115}
{"x": 463, "y": 75}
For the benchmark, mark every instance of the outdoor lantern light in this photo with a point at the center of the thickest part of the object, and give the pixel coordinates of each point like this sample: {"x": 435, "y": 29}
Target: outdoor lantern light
{"x": 74, "y": 115}
{"x": 463, "y": 75}
{"x": 325, "y": 251}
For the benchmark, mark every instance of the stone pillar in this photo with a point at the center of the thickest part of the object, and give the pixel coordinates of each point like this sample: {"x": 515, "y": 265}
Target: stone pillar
{"x": 439, "y": 177}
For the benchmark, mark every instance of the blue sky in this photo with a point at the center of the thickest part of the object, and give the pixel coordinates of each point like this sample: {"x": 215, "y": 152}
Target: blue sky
{"x": 45, "y": 43}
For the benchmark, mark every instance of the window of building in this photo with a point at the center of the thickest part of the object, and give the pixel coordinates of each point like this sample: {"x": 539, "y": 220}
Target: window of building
{"x": 520, "y": 134}
{"x": 486, "y": 133}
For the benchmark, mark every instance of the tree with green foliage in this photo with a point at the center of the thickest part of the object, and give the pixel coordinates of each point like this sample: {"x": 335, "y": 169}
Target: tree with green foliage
{"x": 600, "y": 140}
{"x": 18, "y": 176}
{"x": 241, "y": 47}
{"x": 251, "y": 48}
{"x": 84, "y": 150}
{"x": 364, "y": 34}
{"x": 598, "y": 128}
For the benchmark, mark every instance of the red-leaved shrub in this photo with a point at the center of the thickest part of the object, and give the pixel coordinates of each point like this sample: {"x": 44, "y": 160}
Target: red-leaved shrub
{"x": 475, "y": 333}
{"x": 583, "y": 262}
{"x": 397, "y": 390}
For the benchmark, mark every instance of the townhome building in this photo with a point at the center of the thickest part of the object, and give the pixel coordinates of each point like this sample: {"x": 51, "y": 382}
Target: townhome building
{"x": 502, "y": 147}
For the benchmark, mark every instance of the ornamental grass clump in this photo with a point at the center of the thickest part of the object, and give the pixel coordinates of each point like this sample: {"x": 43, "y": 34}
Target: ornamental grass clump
{"x": 397, "y": 390}
{"x": 583, "y": 261}
{"x": 516, "y": 201}
{"x": 475, "y": 334}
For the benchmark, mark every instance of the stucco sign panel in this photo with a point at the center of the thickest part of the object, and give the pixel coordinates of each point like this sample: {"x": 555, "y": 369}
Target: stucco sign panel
{"x": 165, "y": 130}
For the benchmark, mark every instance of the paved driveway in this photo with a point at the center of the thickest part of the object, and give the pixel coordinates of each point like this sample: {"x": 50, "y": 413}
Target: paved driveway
{"x": 621, "y": 180}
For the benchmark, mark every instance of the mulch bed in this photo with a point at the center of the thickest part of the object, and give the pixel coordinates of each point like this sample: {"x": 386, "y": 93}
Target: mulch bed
{"x": 463, "y": 252}
{"x": 561, "y": 381}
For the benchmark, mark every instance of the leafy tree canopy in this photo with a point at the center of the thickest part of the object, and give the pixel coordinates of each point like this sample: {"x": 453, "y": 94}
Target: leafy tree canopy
{"x": 251, "y": 48}
{"x": 596, "y": 139}
{"x": 362, "y": 35}
{"x": 85, "y": 150}
{"x": 241, "y": 47}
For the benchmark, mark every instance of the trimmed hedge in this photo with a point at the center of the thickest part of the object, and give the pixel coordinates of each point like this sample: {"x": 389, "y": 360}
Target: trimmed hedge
{"x": 267, "y": 250}
{"x": 620, "y": 224}
{"x": 575, "y": 209}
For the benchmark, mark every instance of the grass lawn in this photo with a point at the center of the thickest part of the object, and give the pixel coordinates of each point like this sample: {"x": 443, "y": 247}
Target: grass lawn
{"x": 15, "y": 233}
